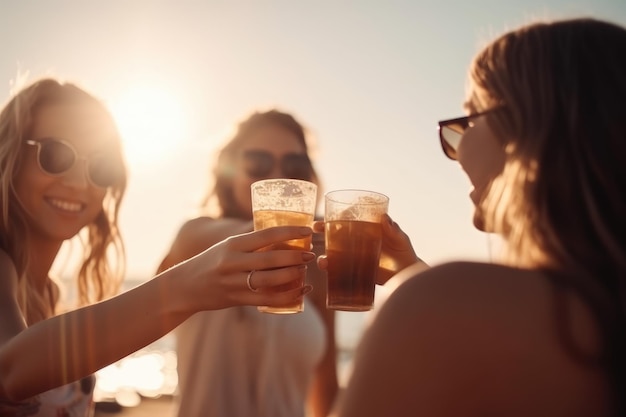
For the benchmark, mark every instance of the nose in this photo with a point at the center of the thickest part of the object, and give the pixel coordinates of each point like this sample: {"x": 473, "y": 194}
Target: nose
{"x": 76, "y": 176}
{"x": 277, "y": 172}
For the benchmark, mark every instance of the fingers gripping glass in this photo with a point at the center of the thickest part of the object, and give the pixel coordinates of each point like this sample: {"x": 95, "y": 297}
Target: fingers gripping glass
{"x": 260, "y": 164}
{"x": 56, "y": 157}
{"x": 452, "y": 130}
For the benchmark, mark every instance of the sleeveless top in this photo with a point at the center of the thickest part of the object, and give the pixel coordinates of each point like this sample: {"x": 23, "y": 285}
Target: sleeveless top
{"x": 71, "y": 400}
{"x": 241, "y": 362}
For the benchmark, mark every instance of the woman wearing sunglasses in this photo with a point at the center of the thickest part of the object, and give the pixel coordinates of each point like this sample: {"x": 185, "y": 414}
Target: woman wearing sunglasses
{"x": 540, "y": 332}
{"x": 63, "y": 176}
{"x": 240, "y": 362}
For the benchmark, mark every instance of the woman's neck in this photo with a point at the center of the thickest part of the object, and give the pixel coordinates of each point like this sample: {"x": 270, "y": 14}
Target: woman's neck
{"x": 42, "y": 256}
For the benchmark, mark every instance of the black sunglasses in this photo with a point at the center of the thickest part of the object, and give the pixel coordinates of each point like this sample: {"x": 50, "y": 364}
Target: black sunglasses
{"x": 55, "y": 157}
{"x": 452, "y": 130}
{"x": 260, "y": 164}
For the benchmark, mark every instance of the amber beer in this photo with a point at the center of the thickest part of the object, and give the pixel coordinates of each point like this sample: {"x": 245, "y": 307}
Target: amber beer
{"x": 284, "y": 202}
{"x": 353, "y": 236}
{"x": 271, "y": 218}
{"x": 353, "y": 251}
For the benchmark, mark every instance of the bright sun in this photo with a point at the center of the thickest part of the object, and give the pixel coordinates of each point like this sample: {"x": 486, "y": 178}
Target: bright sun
{"x": 151, "y": 121}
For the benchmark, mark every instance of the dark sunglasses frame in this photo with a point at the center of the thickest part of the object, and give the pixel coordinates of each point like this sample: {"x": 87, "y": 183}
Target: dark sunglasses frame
{"x": 112, "y": 177}
{"x": 260, "y": 164}
{"x": 456, "y": 127}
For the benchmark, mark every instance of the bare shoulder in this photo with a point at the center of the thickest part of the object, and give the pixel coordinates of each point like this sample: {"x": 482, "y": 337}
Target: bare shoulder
{"x": 460, "y": 294}
{"x": 482, "y": 334}
{"x": 473, "y": 301}
{"x": 200, "y": 233}
{"x": 470, "y": 285}
{"x": 211, "y": 229}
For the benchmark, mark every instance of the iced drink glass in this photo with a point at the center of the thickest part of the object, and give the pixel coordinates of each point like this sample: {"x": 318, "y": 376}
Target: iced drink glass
{"x": 353, "y": 235}
{"x": 284, "y": 202}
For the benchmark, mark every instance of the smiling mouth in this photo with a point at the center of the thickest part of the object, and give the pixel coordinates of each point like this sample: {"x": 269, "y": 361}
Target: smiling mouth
{"x": 68, "y": 206}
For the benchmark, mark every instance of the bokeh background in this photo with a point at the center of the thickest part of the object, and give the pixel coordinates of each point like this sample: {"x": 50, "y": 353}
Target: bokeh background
{"x": 370, "y": 79}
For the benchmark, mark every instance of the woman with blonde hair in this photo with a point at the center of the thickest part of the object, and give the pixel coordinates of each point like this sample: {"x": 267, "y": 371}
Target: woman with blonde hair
{"x": 63, "y": 176}
{"x": 542, "y": 331}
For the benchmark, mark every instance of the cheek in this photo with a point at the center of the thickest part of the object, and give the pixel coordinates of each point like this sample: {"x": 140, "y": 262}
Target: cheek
{"x": 97, "y": 196}
{"x": 482, "y": 173}
{"x": 482, "y": 158}
{"x": 30, "y": 181}
{"x": 479, "y": 219}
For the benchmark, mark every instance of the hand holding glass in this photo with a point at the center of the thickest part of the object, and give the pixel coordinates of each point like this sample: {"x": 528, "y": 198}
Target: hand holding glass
{"x": 284, "y": 202}
{"x": 353, "y": 235}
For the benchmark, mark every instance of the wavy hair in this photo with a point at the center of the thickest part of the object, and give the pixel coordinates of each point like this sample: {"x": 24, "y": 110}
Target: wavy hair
{"x": 560, "y": 202}
{"x": 221, "y": 194}
{"x": 103, "y": 259}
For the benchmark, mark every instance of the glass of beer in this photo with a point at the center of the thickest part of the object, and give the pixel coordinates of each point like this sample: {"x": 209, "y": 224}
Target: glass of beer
{"x": 284, "y": 202}
{"x": 353, "y": 235}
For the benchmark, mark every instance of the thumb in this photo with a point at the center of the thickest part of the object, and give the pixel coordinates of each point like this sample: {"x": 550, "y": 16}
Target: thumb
{"x": 322, "y": 262}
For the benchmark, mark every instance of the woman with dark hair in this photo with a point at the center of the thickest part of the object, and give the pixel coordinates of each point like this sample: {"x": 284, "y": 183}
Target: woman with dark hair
{"x": 541, "y": 332}
{"x": 240, "y": 362}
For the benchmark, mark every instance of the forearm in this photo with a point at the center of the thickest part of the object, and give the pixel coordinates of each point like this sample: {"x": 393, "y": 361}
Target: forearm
{"x": 406, "y": 273}
{"x": 70, "y": 346}
{"x": 323, "y": 392}
{"x": 65, "y": 348}
{"x": 325, "y": 386}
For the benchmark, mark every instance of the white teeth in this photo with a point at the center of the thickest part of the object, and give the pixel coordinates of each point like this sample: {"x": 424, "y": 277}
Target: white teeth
{"x": 66, "y": 205}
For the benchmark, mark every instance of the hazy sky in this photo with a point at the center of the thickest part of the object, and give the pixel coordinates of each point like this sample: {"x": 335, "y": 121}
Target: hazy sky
{"x": 370, "y": 79}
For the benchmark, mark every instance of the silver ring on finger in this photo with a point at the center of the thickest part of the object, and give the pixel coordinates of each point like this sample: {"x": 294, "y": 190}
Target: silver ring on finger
{"x": 249, "y": 281}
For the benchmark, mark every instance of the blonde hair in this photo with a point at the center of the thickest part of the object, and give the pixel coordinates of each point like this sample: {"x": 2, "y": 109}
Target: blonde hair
{"x": 98, "y": 278}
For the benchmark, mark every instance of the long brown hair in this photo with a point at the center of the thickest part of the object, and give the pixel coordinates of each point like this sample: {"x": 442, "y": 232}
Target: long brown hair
{"x": 98, "y": 277}
{"x": 221, "y": 194}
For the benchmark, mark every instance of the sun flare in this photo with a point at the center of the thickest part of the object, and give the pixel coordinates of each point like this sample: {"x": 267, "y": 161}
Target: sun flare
{"x": 151, "y": 121}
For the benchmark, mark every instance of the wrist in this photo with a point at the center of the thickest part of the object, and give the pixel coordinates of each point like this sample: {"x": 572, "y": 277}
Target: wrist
{"x": 179, "y": 301}
{"x": 406, "y": 273}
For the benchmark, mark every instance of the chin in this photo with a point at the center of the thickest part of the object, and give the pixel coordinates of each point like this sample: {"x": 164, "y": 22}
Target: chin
{"x": 479, "y": 224}
{"x": 479, "y": 220}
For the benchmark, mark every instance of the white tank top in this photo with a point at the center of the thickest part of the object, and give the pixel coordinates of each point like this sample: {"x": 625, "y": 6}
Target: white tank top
{"x": 240, "y": 362}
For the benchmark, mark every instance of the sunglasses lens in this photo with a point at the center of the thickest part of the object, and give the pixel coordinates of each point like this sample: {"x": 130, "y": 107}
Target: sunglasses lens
{"x": 103, "y": 171}
{"x": 56, "y": 157}
{"x": 296, "y": 166}
{"x": 258, "y": 164}
{"x": 451, "y": 138}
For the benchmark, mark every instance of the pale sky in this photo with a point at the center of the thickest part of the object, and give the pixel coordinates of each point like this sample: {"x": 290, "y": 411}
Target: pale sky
{"x": 370, "y": 79}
